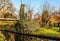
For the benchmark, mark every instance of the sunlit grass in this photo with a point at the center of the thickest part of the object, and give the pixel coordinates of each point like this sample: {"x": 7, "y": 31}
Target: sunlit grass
{"x": 1, "y": 39}
{"x": 48, "y": 32}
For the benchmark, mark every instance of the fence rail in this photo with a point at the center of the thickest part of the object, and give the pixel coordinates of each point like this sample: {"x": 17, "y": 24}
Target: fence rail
{"x": 33, "y": 35}
{"x": 8, "y": 19}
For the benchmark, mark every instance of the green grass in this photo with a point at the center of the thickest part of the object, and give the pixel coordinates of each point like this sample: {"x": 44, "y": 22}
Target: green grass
{"x": 48, "y": 32}
{"x": 1, "y": 39}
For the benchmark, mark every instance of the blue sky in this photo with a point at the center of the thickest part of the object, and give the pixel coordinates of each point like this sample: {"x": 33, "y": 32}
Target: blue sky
{"x": 35, "y": 3}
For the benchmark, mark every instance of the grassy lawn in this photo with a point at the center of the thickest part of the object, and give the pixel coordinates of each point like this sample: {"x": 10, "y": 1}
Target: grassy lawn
{"x": 1, "y": 39}
{"x": 48, "y": 32}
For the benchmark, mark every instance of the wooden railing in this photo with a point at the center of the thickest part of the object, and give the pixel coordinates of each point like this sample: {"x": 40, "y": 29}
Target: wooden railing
{"x": 8, "y": 19}
{"x": 33, "y": 35}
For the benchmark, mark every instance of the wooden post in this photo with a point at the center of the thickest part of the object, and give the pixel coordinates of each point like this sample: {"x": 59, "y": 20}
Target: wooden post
{"x": 12, "y": 38}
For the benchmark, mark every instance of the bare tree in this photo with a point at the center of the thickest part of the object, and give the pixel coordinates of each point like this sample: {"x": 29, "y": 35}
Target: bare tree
{"x": 6, "y": 5}
{"x": 29, "y": 11}
{"x": 45, "y": 14}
